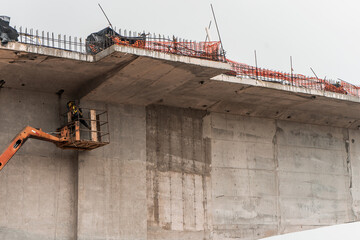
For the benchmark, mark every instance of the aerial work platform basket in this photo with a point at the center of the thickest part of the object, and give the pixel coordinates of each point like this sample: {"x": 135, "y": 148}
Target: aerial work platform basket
{"x": 85, "y": 132}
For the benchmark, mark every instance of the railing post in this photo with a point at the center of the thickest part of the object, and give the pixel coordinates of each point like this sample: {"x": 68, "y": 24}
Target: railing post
{"x": 37, "y": 37}
{"x": 94, "y": 131}
{"x": 43, "y": 38}
{"x": 21, "y": 34}
{"x": 69, "y": 117}
{"x": 26, "y": 35}
{"x": 77, "y": 130}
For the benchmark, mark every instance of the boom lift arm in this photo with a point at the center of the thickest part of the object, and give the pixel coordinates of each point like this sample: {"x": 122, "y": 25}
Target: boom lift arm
{"x": 20, "y": 139}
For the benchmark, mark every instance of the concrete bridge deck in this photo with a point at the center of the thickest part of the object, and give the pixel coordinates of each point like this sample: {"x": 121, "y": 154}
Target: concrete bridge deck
{"x": 194, "y": 153}
{"x": 129, "y": 75}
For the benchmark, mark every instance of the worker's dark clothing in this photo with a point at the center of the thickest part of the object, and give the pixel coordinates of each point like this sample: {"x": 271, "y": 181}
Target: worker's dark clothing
{"x": 77, "y": 115}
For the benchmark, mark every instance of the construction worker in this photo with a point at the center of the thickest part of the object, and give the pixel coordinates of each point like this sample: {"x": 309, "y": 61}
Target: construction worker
{"x": 76, "y": 113}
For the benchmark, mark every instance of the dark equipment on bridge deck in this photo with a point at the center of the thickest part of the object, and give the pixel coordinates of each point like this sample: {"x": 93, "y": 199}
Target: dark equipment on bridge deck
{"x": 98, "y": 41}
{"x": 7, "y": 33}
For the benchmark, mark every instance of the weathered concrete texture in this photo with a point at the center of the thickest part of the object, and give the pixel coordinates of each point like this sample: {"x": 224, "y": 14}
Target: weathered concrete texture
{"x": 127, "y": 75}
{"x": 119, "y": 74}
{"x": 314, "y": 180}
{"x": 49, "y": 193}
{"x": 270, "y": 177}
{"x": 112, "y": 180}
{"x": 244, "y": 192}
{"x": 261, "y": 169}
{"x": 37, "y": 190}
{"x": 177, "y": 174}
{"x": 353, "y": 166}
{"x": 174, "y": 173}
{"x": 255, "y": 177}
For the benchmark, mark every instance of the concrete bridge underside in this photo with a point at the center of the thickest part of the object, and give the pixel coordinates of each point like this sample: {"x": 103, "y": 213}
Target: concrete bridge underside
{"x": 194, "y": 154}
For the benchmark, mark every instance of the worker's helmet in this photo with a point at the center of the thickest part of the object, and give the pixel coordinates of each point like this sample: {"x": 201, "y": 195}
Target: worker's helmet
{"x": 70, "y": 104}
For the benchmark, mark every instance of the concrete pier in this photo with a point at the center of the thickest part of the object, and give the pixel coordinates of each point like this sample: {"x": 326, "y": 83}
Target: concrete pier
{"x": 193, "y": 153}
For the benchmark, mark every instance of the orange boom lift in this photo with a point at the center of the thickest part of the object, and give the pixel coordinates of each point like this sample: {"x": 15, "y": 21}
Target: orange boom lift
{"x": 25, "y": 134}
{"x": 67, "y": 137}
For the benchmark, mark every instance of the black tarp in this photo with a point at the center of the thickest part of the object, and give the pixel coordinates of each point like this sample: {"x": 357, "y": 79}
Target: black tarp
{"x": 7, "y": 33}
{"x": 98, "y": 41}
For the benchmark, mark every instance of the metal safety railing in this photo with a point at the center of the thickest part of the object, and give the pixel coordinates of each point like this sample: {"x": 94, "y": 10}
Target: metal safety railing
{"x": 155, "y": 42}
{"x": 178, "y": 46}
{"x": 46, "y": 39}
{"x": 87, "y": 125}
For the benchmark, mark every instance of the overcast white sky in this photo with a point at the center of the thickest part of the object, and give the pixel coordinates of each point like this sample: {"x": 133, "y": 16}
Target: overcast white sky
{"x": 322, "y": 34}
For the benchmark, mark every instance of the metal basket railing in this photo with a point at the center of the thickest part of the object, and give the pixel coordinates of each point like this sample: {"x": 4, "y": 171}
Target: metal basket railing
{"x": 91, "y": 126}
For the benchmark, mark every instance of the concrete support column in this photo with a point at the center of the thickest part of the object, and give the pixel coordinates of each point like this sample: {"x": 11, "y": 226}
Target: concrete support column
{"x": 112, "y": 180}
{"x": 37, "y": 190}
{"x": 243, "y": 176}
{"x": 271, "y": 176}
{"x": 178, "y": 181}
{"x": 353, "y": 166}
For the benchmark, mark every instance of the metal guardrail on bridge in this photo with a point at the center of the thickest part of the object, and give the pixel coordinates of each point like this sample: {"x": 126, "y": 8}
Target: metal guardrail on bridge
{"x": 154, "y": 42}
{"x": 205, "y": 50}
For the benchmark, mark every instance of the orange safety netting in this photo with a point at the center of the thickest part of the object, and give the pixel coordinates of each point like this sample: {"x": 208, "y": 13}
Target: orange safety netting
{"x": 206, "y": 50}
{"x": 211, "y": 51}
{"x": 299, "y": 80}
{"x": 97, "y": 42}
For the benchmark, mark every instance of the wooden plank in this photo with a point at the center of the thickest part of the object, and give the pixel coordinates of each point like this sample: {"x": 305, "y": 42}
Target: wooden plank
{"x": 69, "y": 117}
{"x": 77, "y": 131}
{"x": 94, "y": 134}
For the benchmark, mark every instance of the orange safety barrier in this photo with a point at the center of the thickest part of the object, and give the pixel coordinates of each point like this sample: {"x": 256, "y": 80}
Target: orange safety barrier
{"x": 211, "y": 51}
{"x": 205, "y": 50}
{"x": 299, "y": 80}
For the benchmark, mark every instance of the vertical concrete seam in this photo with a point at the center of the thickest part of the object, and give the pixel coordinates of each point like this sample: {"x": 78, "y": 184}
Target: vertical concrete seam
{"x": 5, "y": 209}
{"x": 56, "y": 209}
{"x": 276, "y": 161}
{"x": 38, "y": 182}
{"x": 247, "y": 168}
{"x": 106, "y": 195}
{"x": 207, "y": 166}
{"x": 204, "y": 171}
{"x": 349, "y": 171}
{"x": 182, "y": 167}
{"x": 194, "y": 168}
{"x": 23, "y": 189}
{"x": 204, "y": 185}
{"x": 170, "y": 169}
{"x": 76, "y": 195}
{"x": 156, "y": 173}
